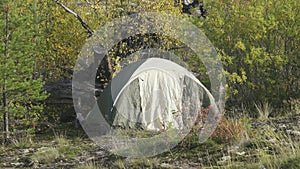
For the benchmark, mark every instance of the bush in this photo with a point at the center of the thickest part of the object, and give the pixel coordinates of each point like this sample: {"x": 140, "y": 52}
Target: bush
{"x": 228, "y": 131}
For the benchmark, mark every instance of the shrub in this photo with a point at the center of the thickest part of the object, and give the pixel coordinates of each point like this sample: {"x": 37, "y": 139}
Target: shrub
{"x": 228, "y": 131}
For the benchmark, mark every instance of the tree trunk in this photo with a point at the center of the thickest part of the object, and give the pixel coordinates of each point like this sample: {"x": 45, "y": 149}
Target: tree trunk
{"x": 5, "y": 104}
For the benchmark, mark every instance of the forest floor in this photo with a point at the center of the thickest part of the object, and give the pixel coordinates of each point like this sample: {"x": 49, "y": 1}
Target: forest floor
{"x": 269, "y": 143}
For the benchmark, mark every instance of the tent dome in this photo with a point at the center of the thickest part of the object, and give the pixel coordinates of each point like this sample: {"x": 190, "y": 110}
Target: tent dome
{"x": 152, "y": 94}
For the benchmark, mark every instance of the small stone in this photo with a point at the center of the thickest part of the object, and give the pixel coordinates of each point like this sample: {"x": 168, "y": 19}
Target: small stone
{"x": 273, "y": 140}
{"x": 17, "y": 164}
{"x": 282, "y": 126}
{"x": 24, "y": 151}
{"x": 262, "y": 167}
{"x": 295, "y": 133}
{"x": 132, "y": 4}
{"x": 193, "y": 164}
{"x": 100, "y": 153}
{"x": 241, "y": 153}
{"x": 225, "y": 158}
{"x": 233, "y": 148}
{"x": 41, "y": 148}
{"x": 165, "y": 165}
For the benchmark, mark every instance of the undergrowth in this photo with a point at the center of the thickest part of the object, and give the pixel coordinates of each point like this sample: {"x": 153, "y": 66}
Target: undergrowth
{"x": 241, "y": 142}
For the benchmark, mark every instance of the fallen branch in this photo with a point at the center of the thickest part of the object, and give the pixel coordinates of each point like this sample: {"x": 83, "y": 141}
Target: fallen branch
{"x": 85, "y": 26}
{"x": 87, "y": 1}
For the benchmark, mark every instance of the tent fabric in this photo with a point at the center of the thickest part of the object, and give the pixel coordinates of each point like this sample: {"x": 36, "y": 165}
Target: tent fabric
{"x": 152, "y": 94}
{"x": 150, "y": 100}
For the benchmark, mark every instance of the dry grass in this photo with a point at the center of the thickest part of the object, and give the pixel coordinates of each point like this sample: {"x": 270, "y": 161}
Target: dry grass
{"x": 264, "y": 110}
{"x": 89, "y": 165}
{"x": 228, "y": 131}
{"x": 46, "y": 155}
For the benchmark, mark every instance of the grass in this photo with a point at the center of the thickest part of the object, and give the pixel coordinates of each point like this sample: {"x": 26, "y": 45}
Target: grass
{"x": 22, "y": 142}
{"x": 292, "y": 162}
{"x": 61, "y": 141}
{"x": 236, "y": 143}
{"x": 64, "y": 146}
{"x": 272, "y": 149}
{"x": 264, "y": 110}
{"x": 89, "y": 165}
{"x": 46, "y": 155}
{"x": 229, "y": 131}
{"x": 61, "y": 149}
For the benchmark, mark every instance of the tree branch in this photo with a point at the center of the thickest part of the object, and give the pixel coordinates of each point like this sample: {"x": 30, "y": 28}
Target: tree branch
{"x": 84, "y": 25}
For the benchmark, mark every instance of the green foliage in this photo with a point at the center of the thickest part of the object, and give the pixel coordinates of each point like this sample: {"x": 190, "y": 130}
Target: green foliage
{"x": 65, "y": 36}
{"x": 258, "y": 42}
{"x": 20, "y": 83}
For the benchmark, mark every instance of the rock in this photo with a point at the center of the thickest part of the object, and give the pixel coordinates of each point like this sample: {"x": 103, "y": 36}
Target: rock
{"x": 42, "y": 148}
{"x": 17, "y": 164}
{"x": 240, "y": 153}
{"x": 295, "y": 133}
{"x": 225, "y": 158}
{"x": 31, "y": 150}
{"x": 100, "y": 153}
{"x": 282, "y": 126}
{"x": 193, "y": 164}
{"x": 165, "y": 165}
{"x": 262, "y": 167}
{"x": 132, "y": 4}
{"x": 273, "y": 140}
{"x": 24, "y": 151}
{"x": 27, "y": 161}
{"x": 233, "y": 149}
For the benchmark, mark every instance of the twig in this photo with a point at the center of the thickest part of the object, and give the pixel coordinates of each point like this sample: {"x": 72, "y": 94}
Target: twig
{"x": 85, "y": 26}
{"x": 87, "y": 1}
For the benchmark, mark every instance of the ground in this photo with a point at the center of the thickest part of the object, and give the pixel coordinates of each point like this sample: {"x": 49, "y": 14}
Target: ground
{"x": 269, "y": 143}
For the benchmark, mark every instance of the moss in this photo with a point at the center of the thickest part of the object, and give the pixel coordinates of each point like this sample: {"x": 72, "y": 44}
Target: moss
{"x": 69, "y": 151}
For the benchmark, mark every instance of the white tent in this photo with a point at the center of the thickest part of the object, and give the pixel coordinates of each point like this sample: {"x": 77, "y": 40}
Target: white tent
{"x": 151, "y": 94}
